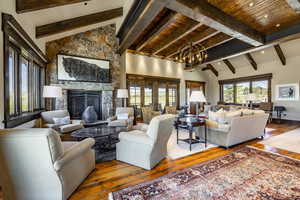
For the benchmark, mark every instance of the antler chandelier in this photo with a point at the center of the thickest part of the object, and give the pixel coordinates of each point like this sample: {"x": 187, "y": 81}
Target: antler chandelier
{"x": 192, "y": 54}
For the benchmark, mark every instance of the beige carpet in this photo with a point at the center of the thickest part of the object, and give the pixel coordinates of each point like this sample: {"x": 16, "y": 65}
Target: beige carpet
{"x": 288, "y": 141}
{"x": 182, "y": 149}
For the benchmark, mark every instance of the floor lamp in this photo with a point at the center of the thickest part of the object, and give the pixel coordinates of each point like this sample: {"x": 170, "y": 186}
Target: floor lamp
{"x": 197, "y": 97}
{"x": 52, "y": 92}
{"x": 122, "y": 94}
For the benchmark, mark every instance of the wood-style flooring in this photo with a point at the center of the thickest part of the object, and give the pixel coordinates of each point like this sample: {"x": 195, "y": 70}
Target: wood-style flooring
{"x": 115, "y": 175}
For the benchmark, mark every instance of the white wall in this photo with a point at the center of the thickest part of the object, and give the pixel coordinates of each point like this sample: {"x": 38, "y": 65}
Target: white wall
{"x": 144, "y": 65}
{"x": 267, "y": 63}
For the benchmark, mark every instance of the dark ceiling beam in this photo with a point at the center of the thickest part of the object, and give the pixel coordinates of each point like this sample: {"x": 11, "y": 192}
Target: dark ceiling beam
{"x": 165, "y": 22}
{"x": 70, "y": 24}
{"x": 251, "y": 61}
{"x": 177, "y": 38}
{"x": 23, "y": 6}
{"x": 295, "y": 5}
{"x": 280, "y": 54}
{"x": 141, "y": 18}
{"x": 229, "y": 65}
{"x": 211, "y": 68}
{"x": 205, "y": 13}
{"x": 236, "y": 47}
{"x": 208, "y": 33}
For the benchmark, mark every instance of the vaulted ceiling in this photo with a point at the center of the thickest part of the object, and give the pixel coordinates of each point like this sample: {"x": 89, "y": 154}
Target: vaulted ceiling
{"x": 226, "y": 28}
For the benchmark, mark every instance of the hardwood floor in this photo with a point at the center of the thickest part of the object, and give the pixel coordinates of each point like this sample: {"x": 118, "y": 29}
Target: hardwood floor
{"x": 115, "y": 175}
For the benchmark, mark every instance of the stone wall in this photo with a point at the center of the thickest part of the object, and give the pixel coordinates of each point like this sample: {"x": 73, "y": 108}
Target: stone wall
{"x": 100, "y": 43}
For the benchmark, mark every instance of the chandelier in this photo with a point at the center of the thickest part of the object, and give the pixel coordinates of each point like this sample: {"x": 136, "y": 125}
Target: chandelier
{"x": 192, "y": 54}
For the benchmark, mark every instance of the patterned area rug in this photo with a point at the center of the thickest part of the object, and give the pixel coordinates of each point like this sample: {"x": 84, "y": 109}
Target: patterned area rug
{"x": 248, "y": 173}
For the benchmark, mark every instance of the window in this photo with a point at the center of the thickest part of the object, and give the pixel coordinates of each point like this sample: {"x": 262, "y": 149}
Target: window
{"x": 236, "y": 90}
{"x": 260, "y": 89}
{"x": 228, "y": 93}
{"x": 148, "y": 95}
{"x": 172, "y": 95}
{"x": 162, "y": 96}
{"x": 242, "y": 91}
{"x": 135, "y": 95}
{"x": 24, "y": 75}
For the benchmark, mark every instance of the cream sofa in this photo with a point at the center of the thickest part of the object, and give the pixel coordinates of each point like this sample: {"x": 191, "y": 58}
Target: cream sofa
{"x": 36, "y": 165}
{"x": 238, "y": 129}
{"x": 146, "y": 147}
{"x": 47, "y": 118}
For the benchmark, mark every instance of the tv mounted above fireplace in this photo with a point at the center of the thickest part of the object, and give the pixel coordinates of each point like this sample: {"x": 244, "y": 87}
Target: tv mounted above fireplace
{"x": 78, "y": 68}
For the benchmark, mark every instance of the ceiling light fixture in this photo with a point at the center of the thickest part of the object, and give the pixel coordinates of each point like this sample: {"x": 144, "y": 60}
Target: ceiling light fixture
{"x": 219, "y": 63}
{"x": 192, "y": 54}
{"x": 277, "y": 25}
{"x": 251, "y": 4}
{"x": 266, "y": 16}
{"x": 262, "y": 52}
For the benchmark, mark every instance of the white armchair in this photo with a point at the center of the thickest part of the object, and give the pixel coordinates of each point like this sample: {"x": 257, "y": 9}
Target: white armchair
{"x": 47, "y": 118}
{"x": 119, "y": 120}
{"x": 148, "y": 146}
{"x": 36, "y": 165}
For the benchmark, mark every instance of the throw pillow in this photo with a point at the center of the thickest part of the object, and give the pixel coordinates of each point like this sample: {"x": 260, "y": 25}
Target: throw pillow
{"x": 62, "y": 121}
{"x": 122, "y": 116}
{"x": 247, "y": 112}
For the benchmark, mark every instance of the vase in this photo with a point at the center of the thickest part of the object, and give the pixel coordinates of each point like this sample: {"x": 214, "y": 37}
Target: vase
{"x": 90, "y": 115}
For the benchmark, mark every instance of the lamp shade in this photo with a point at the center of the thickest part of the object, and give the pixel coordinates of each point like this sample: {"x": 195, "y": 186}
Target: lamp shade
{"x": 52, "y": 92}
{"x": 197, "y": 96}
{"x": 251, "y": 97}
{"x": 122, "y": 93}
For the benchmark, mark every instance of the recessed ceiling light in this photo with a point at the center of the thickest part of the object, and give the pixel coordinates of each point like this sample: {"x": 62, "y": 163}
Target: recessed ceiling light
{"x": 219, "y": 63}
{"x": 277, "y": 25}
{"x": 266, "y": 16}
{"x": 251, "y": 4}
{"x": 262, "y": 52}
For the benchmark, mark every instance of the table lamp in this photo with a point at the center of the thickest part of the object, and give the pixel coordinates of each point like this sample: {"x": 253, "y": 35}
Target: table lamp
{"x": 52, "y": 92}
{"x": 198, "y": 97}
{"x": 122, "y": 94}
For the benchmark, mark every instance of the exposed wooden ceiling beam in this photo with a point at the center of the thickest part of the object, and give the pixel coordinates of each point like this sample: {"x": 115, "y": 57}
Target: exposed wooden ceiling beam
{"x": 177, "y": 38}
{"x": 211, "y": 68}
{"x": 205, "y": 13}
{"x": 141, "y": 19}
{"x": 165, "y": 22}
{"x": 251, "y": 61}
{"x": 208, "y": 33}
{"x": 229, "y": 65}
{"x": 23, "y": 6}
{"x": 69, "y": 24}
{"x": 236, "y": 47}
{"x": 280, "y": 54}
{"x": 295, "y": 5}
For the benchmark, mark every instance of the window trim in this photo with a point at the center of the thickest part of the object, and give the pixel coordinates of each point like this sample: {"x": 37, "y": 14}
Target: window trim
{"x": 250, "y": 79}
{"x": 15, "y": 37}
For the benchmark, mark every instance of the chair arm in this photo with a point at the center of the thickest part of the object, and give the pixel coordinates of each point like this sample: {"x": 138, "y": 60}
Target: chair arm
{"x": 155, "y": 113}
{"x": 74, "y": 121}
{"x": 136, "y": 136}
{"x": 73, "y": 152}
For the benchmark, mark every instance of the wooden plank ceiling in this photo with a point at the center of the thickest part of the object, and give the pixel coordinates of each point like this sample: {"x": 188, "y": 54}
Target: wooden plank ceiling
{"x": 243, "y": 25}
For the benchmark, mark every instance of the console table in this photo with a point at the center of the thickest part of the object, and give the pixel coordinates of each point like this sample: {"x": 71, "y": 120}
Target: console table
{"x": 189, "y": 122}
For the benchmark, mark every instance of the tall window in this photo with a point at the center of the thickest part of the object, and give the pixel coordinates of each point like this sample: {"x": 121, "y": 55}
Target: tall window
{"x": 242, "y": 91}
{"x": 172, "y": 95}
{"x": 24, "y": 85}
{"x": 11, "y": 71}
{"x": 228, "y": 93}
{"x": 135, "y": 95}
{"x": 236, "y": 90}
{"x": 148, "y": 94}
{"x": 162, "y": 96}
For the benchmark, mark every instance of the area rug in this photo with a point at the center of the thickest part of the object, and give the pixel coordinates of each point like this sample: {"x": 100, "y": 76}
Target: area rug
{"x": 288, "y": 141}
{"x": 248, "y": 173}
{"x": 182, "y": 149}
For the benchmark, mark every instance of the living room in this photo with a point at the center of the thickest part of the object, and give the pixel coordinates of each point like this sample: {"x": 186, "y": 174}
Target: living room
{"x": 135, "y": 99}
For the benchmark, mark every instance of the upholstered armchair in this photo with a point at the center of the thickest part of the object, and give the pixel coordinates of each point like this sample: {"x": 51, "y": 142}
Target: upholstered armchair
{"x": 171, "y": 110}
{"x": 36, "y": 165}
{"x": 48, "y": 122}
{"x": 124, "y": 117}
{"x": 146, "y": 147}
{"x": 148, "y": 114}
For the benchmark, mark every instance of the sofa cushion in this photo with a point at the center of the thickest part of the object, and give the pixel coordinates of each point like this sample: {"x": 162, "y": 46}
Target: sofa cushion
{"x": 117, "y": 123}
{"x": 62, "y": 120}
{"x": 122, "y": 116}
{"x": 70, "y": 127}
{"x": 49, "y": 115}
{"x": 218, "y": 116}
{"x": 230, "y": 115}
